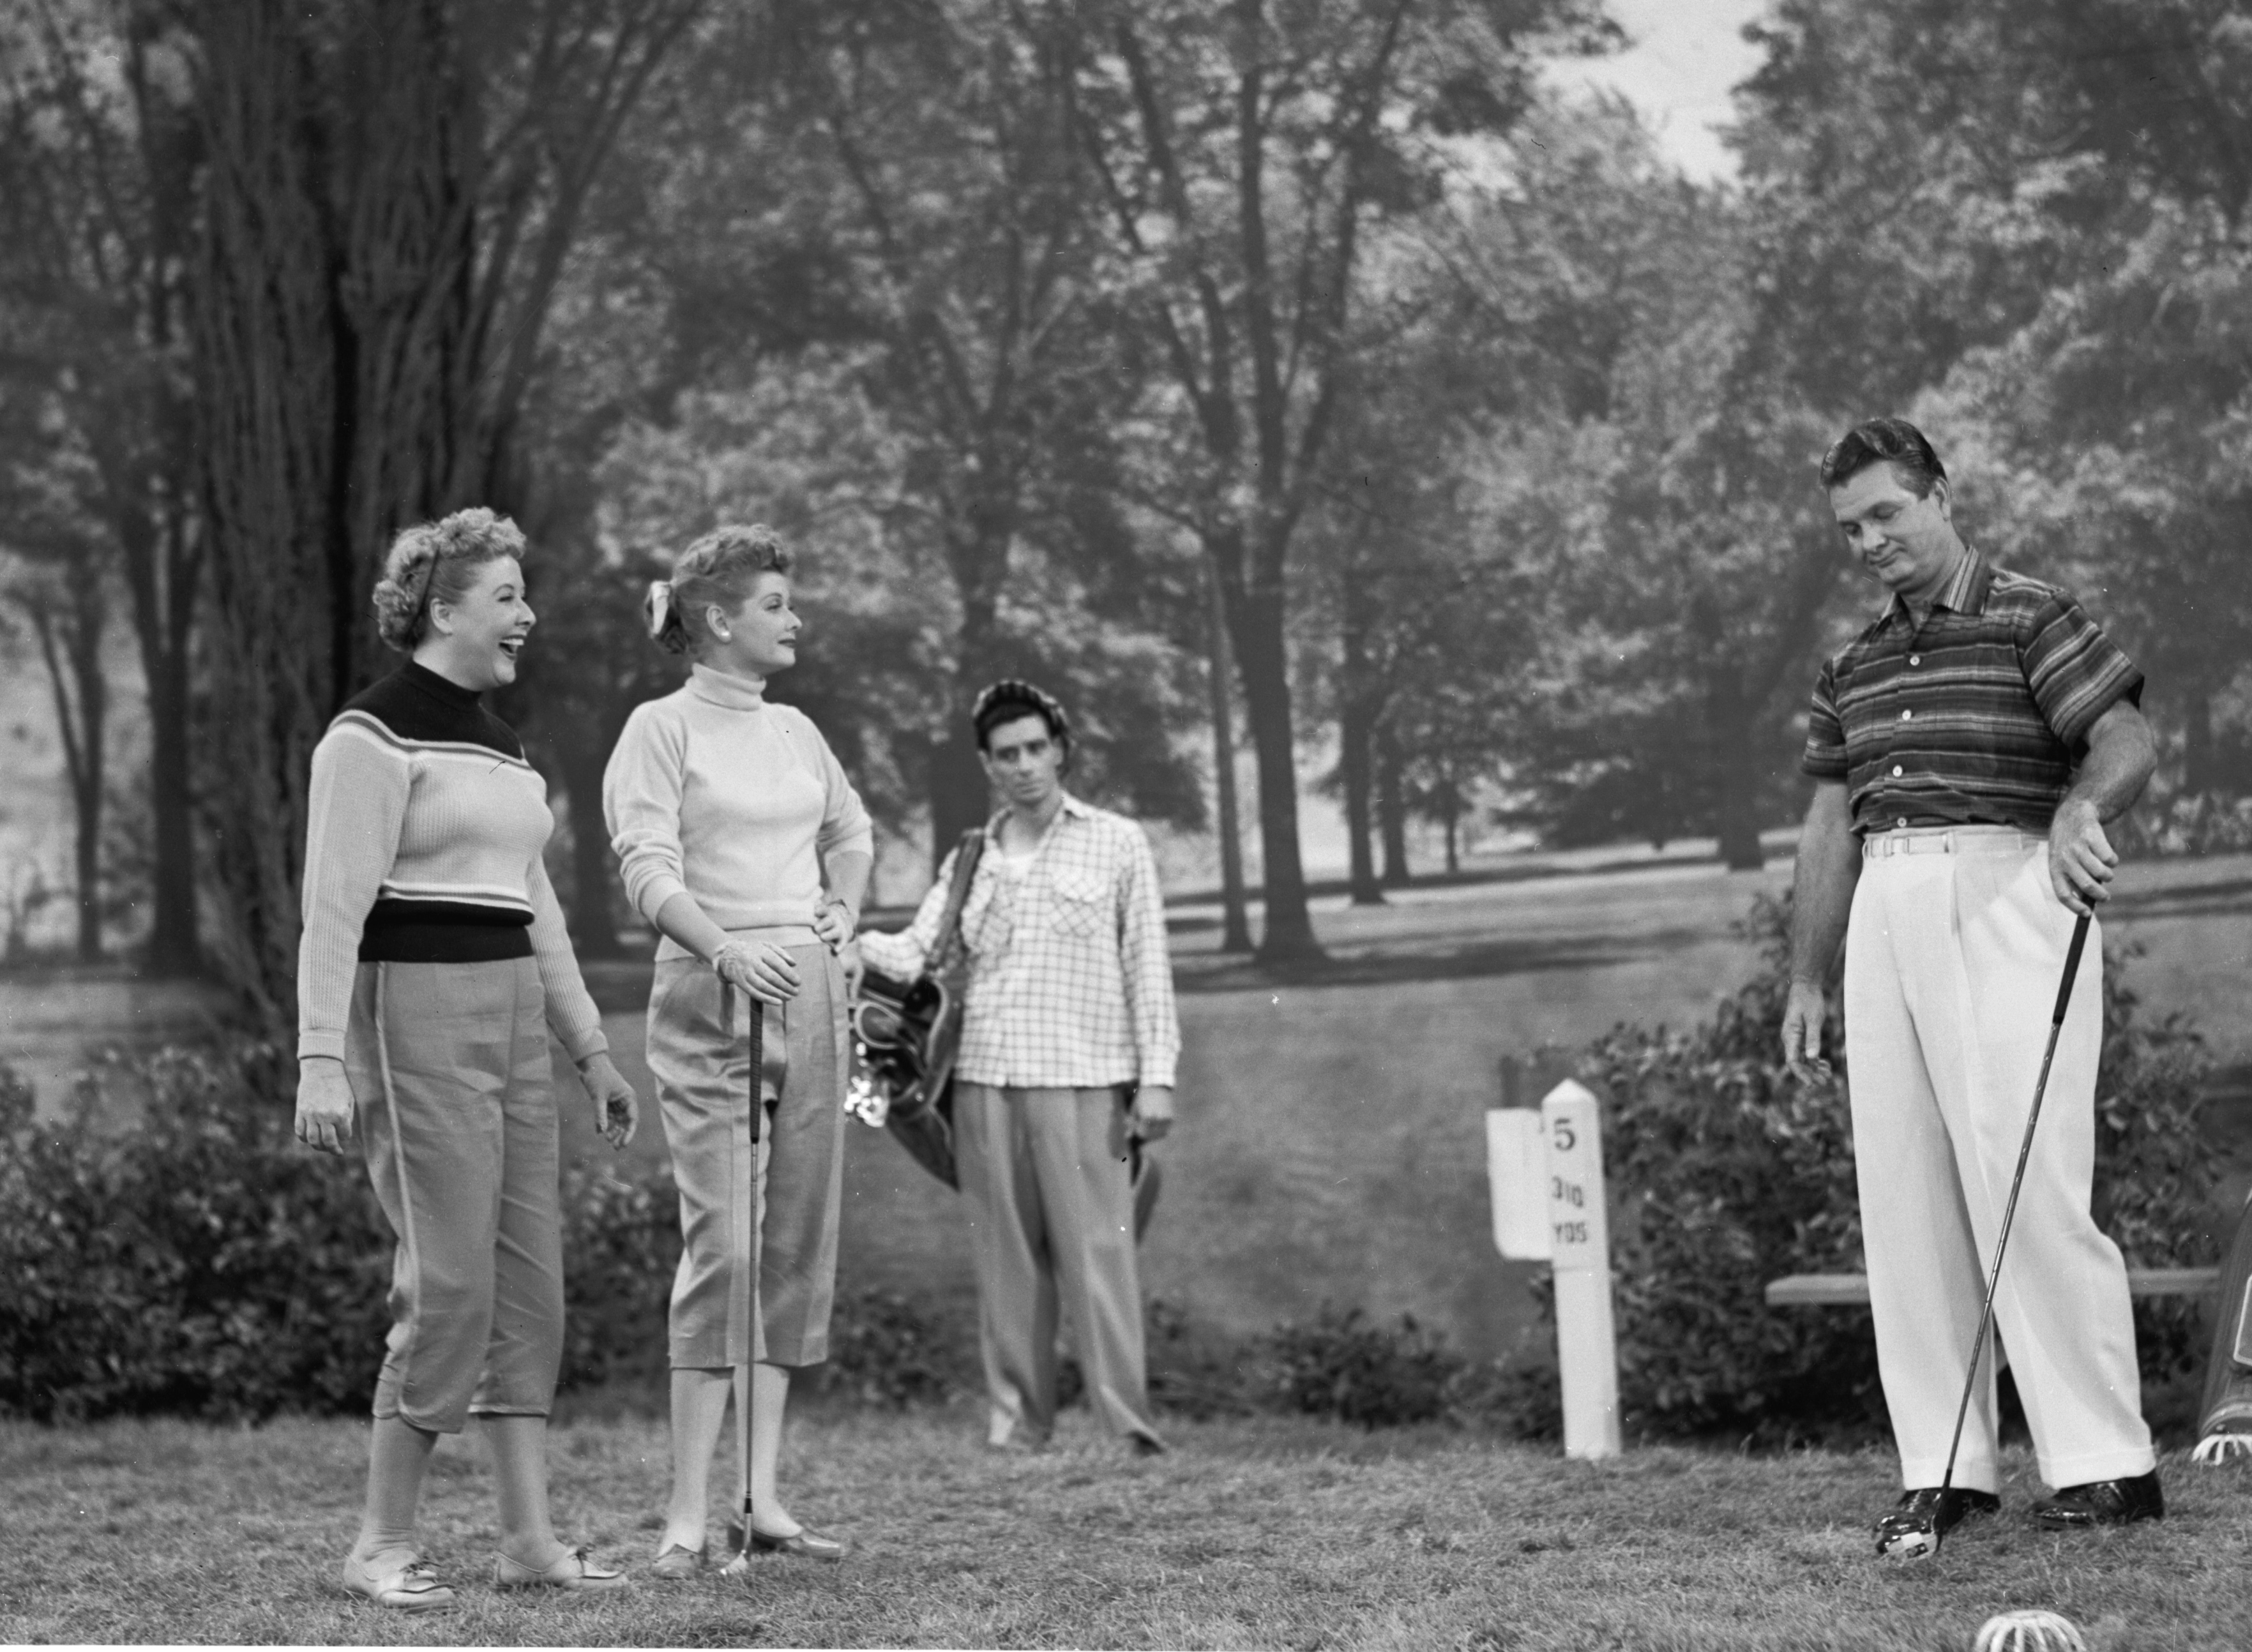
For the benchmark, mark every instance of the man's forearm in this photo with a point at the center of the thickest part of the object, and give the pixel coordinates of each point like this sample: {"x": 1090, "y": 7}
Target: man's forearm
{"x": 1822, "y": 887}
{"x": 2121, "y": 756}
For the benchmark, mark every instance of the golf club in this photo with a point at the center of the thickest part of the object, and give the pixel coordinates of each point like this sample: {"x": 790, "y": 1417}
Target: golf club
{"x": 756, "y": 1039}
{"x": 1922, "y": 1538}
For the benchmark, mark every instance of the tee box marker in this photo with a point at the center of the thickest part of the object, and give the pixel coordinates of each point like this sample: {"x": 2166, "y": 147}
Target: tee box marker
{"x": 1545, "y": 1168}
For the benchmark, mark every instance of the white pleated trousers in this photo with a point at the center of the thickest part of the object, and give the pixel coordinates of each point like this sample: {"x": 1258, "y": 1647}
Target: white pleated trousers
{"x": 1952, "y": 961}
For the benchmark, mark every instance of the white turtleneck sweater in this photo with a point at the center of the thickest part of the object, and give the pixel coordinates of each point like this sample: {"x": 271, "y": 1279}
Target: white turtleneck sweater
{"x": 717, "y": 792}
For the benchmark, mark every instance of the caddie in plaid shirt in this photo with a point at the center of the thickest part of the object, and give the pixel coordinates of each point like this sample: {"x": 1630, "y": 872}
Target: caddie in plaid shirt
{"x": 1068, "y": 1046}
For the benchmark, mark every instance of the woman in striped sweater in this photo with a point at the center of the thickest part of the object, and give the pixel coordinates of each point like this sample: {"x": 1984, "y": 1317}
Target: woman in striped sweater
{"x": 433, "y": 965}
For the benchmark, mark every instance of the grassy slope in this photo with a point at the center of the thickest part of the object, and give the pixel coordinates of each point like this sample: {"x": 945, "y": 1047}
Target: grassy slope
{"x": 1263, "y": 1533}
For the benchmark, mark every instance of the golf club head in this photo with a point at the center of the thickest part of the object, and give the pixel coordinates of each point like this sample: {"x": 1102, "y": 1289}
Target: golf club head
{"x": 1917, "y": 1542}
{"x": 2219, "y": 1447}
{"x": 2032, "y": 1631}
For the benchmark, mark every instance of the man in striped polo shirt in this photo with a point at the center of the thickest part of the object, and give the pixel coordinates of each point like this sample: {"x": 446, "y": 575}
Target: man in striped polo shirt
{"x": 1966, "y": 750}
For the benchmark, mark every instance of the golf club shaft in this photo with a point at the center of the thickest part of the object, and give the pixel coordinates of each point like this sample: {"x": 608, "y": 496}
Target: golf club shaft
{"x": 756, "y": 1038}
{"x": 2017, "y": 1182}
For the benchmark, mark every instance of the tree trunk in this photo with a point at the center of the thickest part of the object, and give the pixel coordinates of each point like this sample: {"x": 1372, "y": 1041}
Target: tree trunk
{"x": 161, "y": 574}
{"x": 360, "y": 352}
{"x": 2197, "y": 739}
{"x": 1356, "y": 706}
{"x": 1734, "y": 773}
{"x": 70, "y": 631}
{"x": 1235, "y": 921}
{"x": 1391, "y": 808}
{"x": 174, "y": 948}
{"x": 978, "y": 552}
{"x": 1256, "y": 626}
{"x": 1454, "y": 848}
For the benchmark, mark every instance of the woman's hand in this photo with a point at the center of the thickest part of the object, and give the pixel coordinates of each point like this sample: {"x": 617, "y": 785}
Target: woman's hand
{"x": 1152, "y": 1114}
{"x": 324, "y": 1104}
{"x": 617, "y": 1109}
{"x": 760, "y": 968}
{"x": 834, "y": 924}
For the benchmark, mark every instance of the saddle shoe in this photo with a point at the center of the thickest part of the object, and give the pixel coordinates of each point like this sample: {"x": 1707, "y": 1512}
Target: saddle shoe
{"x": 1927, "y": 1508}
{"x": 411, "y": 1585}
{"x": 571, "y": 1569}
{"x": 2103, "y": 1502}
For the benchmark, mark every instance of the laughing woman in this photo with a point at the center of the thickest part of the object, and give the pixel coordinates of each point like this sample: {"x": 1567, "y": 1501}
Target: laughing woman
{"x": 742, "y": 843}
{"x": 434, "y": 962}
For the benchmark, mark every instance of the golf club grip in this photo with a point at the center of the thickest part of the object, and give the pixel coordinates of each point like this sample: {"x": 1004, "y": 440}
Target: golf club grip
{"x": 2071, "y": 969}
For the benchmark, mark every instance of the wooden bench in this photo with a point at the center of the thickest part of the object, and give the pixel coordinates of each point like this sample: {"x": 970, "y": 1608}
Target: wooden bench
{"x": 1831, "y": 1290}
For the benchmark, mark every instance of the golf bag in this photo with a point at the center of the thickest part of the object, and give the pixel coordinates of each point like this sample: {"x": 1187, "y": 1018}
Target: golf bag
{"x": 906, "y": 1033}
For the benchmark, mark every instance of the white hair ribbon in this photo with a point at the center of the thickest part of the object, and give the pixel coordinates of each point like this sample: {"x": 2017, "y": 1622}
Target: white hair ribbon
{"x": 660, "y": 605}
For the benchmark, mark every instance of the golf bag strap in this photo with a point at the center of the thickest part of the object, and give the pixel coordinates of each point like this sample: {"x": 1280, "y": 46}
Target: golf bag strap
{"x": 966, "y": 855}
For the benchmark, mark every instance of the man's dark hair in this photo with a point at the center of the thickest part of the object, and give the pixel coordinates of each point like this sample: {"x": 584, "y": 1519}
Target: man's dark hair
{"x": 1011, "y": 698}
{"x": 1893, "y": 442}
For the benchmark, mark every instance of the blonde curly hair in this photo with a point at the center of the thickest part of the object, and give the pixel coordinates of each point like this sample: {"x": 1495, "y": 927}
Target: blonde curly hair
{"x": 436, "y": 562}
{"x": 719, "y": 568}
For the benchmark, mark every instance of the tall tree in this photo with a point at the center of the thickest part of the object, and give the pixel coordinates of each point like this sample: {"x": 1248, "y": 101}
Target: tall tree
{"x": 390, "y": 191}
{"x": 1241, "y": 152}
{"x": 98, "y": 166}
{"x": 953, "y": 132}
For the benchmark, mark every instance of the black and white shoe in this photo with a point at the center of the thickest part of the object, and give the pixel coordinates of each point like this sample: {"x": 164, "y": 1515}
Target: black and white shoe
{"x": 1926, "y": 1514}
{"x": 2103, "y": 1502}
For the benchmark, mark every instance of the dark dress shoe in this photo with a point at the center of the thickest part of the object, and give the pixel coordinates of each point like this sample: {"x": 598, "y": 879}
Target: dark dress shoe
{"x": 1928, "y": 1509}
{"x": 2103, "y": 1503}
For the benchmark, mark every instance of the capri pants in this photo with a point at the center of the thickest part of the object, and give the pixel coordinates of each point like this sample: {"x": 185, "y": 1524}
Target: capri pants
{"x": 450, "y": 1078}
{"x": 699, "y": 1055}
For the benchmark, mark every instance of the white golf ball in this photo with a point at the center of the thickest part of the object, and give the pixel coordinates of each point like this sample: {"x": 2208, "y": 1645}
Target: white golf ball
{"x": 2028, "y": 1631}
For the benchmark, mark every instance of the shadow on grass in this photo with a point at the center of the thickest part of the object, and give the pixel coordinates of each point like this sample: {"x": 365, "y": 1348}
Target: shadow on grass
{"x": 1415, "y": 958}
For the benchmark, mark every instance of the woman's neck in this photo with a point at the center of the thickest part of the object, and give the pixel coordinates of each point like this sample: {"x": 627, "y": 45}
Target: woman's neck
{"x": 734, "y": 669}
{"x": 441, "y": 663}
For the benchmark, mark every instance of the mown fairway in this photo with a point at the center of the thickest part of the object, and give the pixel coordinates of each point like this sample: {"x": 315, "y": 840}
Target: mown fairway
{"x": 1267, "y": 1533}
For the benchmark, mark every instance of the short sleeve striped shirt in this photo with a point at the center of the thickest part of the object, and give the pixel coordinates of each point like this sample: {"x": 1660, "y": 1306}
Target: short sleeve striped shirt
{"x": 1978, "y": 716}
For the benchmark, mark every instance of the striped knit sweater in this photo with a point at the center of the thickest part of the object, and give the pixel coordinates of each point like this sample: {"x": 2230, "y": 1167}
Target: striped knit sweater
{"x": 423, "y": 839}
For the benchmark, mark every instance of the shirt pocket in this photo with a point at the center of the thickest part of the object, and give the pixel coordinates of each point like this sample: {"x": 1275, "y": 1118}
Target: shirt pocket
{"x": 1082, "y": 905}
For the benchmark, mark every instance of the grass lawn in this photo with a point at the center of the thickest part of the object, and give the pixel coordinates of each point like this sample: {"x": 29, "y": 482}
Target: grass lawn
{"x": 1267, "y": 1532}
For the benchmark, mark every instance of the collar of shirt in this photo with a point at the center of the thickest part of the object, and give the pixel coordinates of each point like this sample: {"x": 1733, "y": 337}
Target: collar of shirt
{"x": 723, "y": 687}
{"x": 1965, "y": 592}
{"x": 1072, "y": 809}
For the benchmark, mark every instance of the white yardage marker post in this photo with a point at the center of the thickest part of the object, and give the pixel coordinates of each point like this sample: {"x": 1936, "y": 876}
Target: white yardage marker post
{"x": 1546, "y": 1171}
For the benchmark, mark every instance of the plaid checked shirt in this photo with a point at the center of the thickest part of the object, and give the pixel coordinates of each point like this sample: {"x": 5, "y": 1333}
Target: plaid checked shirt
{"x": 1070, "y": 983}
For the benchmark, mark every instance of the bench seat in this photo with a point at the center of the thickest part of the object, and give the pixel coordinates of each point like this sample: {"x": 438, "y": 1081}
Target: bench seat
{"x": 1831, "y": 1290}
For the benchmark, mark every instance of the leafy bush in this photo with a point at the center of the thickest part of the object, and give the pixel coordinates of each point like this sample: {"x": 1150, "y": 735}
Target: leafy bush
{"x": 1347, "y": 1367}
{"x": 621, "y": 1246}
{"x": 1726, "y": 1173}
{"x": 2153, "y": 1176}
{"x": 885, "y": 1350}
{"x": 204, "y": 1263}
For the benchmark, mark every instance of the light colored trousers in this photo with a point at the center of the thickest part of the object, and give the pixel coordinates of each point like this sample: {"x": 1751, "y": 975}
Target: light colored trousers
{"x": 1051, "y": 1212}
{"x": 455, "y": 1099}
{"x": 699, "y": 1055}
{"x": 1952, "y": 962}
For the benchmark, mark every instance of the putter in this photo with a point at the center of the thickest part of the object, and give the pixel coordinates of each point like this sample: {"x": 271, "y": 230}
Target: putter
{"x": 1922, "y": 1538}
